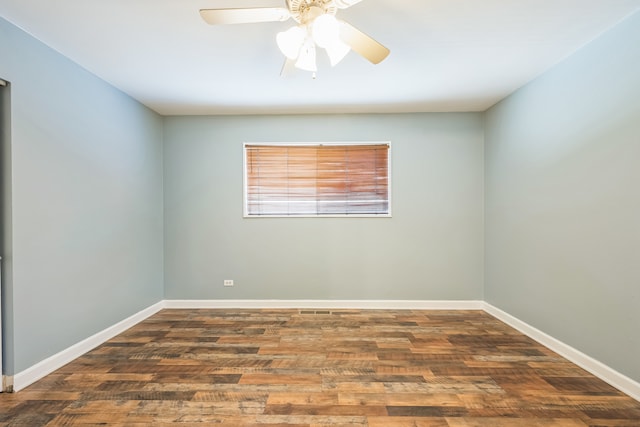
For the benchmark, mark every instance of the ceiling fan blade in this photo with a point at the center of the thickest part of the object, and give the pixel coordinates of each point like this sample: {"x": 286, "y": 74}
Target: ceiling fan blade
{"x": 362, "y": 43}
{"x": 343, "y": 4}
{"x": 244, "y": 16}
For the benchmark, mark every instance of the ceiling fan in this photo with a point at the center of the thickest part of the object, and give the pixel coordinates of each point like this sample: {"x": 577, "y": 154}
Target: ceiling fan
{"x": 316, "y": 26}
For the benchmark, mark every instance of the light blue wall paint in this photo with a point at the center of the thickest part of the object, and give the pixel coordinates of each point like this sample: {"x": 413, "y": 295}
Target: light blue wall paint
{"x": 563, "y": 201}
{"x": 431, "y": 249}
{"x": 86, "y": 202}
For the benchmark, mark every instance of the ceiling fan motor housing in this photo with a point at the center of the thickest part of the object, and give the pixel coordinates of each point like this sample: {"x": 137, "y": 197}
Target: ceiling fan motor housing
{"x": 304, "y": 11}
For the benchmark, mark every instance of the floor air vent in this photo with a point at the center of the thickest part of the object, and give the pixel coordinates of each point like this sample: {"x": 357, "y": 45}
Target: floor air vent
{"x": 315, "y": 312}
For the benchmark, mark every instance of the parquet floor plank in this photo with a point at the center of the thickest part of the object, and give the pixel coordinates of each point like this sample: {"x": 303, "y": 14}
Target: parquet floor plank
{"x": 320, "y": 368}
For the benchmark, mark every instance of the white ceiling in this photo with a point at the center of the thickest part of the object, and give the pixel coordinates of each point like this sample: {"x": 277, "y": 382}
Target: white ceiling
{"x": 446, "y": 55}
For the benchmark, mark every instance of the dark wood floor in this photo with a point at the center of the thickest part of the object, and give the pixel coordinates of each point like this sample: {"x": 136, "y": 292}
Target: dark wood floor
{"x": 320, "y": 368}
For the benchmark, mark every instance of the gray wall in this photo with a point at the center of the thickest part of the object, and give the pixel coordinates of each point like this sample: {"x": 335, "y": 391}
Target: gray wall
{"x": 563, "y": 201}
{"x": 86, "y": 203}
{"x": 431, "y": 249}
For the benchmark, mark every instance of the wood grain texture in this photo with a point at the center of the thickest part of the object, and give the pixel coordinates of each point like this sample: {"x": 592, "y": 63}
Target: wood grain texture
{"x": 390, "y": 368}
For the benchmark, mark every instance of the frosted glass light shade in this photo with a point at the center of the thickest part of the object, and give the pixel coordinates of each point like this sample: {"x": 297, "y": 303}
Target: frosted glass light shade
{"x": 291, "y": 41}
{"x": 325, "y": 30}
{"x": 337, "y": 51}
{"x": 307, "y": 58}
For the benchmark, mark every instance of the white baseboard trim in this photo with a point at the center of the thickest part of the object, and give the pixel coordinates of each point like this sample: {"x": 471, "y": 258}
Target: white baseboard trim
{"x": 602, "y": 371}
{"x": 47, "y": 366}
{"x": 328, "y": 304}
{"x": 597, "y": 368}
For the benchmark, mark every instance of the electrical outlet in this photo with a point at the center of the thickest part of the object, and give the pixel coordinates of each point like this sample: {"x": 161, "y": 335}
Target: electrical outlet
{"x": 228, "y": 282}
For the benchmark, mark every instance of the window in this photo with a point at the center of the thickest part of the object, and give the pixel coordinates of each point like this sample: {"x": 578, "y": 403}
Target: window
{"x": 332, "y": 179}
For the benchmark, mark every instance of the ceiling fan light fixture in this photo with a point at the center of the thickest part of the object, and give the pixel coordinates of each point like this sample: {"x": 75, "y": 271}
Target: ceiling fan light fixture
{"x": 337, "y": 51}
{"x": 325, "y": 30}
{"x": 291, "y": 41}
{"x": 307, "y": 58}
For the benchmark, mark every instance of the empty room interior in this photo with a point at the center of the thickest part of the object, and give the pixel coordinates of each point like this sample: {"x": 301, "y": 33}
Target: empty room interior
{"x": 146, "y": 278}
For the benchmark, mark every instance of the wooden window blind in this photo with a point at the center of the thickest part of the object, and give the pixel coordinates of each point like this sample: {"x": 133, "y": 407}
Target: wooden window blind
{"x": 317, "y": 180}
